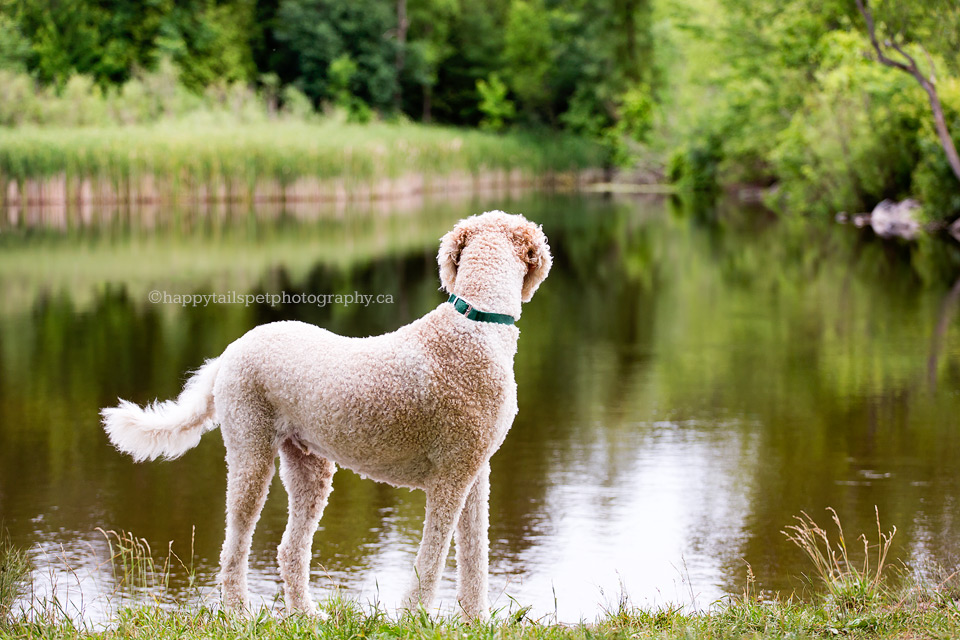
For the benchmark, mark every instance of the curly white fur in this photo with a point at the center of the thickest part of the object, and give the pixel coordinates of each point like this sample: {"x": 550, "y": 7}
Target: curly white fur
{"x": 423, "y": 407}
{"x": 169, "y": 428}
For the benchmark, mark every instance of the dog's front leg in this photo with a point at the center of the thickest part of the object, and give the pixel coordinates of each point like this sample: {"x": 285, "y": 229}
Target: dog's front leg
{"x": 444, "y": 504}
{"x": 473, "y": 549}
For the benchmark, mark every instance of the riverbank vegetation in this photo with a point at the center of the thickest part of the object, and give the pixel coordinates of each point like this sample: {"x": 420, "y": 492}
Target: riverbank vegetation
{"x": 280, "y": 90}
{"x": 286, "y": 161}
{"x": 153, "y": 139}
{"x": 797, "y": 97}
{"x": 790, "y": 95}
{"x": 850, "y": 594}
{"x": 14, "y": 575}
{"x": 739, "y": 619}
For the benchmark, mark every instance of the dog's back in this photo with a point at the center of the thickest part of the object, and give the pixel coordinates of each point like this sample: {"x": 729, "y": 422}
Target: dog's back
{"x": 392, "y": 407}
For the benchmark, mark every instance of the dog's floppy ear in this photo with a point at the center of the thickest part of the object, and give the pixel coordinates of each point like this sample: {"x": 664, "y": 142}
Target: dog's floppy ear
{"x": 449, "y": 256}
{"x": 536, "y": 253}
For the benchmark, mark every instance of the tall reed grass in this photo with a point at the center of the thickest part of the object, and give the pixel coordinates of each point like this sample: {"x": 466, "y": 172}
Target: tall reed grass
{"x": 280, "y": 160}
{"x": 283, "y": 150}
{"x": 14, "y": 572}
{"x": 850, "y": 583}
{"x": 136, "y": 569}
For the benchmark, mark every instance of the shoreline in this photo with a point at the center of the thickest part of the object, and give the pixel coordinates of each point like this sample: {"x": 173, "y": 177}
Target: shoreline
{"x": 192, "y": 163}
{"x": 62, "y": 202}
{"x": 63, "y": 191}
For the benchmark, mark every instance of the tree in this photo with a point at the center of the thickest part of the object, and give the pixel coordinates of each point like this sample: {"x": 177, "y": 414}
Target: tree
{"x": 314, "y": 33}
{"x": 110, "y": 39}
{"x": 464, "y": 46}
{"x": 529, "y": 54}
{"x": 209, "y": 41}
{"x": 908, "y": 64}
{"x": 431, "y": 23}
{"x": 402, "y": 26}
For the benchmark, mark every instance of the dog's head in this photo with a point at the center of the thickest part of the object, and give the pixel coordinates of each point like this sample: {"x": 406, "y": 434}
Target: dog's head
{"x": 498, "y": 249}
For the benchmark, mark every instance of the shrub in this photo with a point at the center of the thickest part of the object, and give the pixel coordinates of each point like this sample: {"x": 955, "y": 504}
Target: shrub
{"x": 696, "y": 166}
{"x": 296, "y": 103}
{"x": 497, "y": 109}
{"x": 855, "y": 141}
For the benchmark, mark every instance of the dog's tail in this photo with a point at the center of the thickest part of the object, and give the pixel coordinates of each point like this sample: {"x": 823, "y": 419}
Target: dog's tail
{"x": 167, "y": 429}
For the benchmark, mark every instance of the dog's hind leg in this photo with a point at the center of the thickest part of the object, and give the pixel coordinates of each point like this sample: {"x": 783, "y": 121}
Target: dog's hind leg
{"x": 444, "y": 504}
{"x": 473, "y": 549}
{"x": 250, "y": 467}
{"x": 308, "y": 479}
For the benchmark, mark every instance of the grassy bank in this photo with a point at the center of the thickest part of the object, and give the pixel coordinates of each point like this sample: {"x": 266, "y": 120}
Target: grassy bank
{"x": 934, "y": 617}
{"x": 285, "y": 160}
{"x": 14, "y": 575}
{"x": 851, "y": 595}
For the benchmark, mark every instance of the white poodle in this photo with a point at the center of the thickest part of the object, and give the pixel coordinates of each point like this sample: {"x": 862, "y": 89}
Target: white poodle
{"x": 423, "y": 407}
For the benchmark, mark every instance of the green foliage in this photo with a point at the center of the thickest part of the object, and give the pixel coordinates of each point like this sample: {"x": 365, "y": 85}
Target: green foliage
{"x": 143, "y": 99}
{"x": 342, "y": 72}
{"x": 296, "y": 103}
{"x": 110, "y": 39}
{"x": 576, "y": 62}
{"x": 313, "y": 34}
{"x": 528, "y": 53}
{"x": 498, "y": 110}
{"x": 561, "y": 64}
{"x": 935, "y": 183}
{"x": 933, "y": 179}
{"x": 208, "y": 41}
{"x": 854, "y": 141}
{"x": 637, "y": 109}
{"x": 583, "y": 116}
{"x": 14, "y": 47}
{"x": 695, "y": 168}
{"x": 792, "y": 94}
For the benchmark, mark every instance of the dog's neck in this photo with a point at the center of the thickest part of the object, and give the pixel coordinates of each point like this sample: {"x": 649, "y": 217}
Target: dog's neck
{"x": 494, "y": 288}
{"x": 490, "y": 300}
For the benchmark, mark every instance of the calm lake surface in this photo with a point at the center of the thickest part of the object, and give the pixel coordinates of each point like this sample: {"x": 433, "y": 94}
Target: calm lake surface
{"x": 687, "y": 385}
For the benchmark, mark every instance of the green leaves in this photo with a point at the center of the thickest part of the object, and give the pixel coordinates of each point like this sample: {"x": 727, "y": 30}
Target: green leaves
{"x": 314, "y": 34}
{"x": 498, "y": 110}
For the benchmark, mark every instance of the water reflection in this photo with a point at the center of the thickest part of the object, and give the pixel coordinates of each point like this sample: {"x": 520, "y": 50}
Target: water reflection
{"x": 687, "y": 385}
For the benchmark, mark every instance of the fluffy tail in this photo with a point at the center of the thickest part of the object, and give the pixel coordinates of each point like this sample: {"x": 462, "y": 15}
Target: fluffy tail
{"x": 167, "y": 429}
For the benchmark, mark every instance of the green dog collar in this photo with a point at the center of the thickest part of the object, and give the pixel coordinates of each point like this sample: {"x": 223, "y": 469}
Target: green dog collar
{"x": 465, "y": 308}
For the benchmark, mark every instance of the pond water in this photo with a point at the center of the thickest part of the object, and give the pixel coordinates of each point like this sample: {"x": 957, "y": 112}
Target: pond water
{"x": 687, "y": 385}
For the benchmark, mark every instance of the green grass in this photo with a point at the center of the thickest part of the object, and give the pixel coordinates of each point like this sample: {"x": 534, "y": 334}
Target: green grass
{"x": 14, "y": 572}
{"x": 881, "y": 610}
{"x": 738, "y": 618}
{"x": 181, "y": 155}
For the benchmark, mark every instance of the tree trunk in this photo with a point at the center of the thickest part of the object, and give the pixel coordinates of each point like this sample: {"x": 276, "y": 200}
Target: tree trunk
{"x": 402, "y": 25}
{"x": 427, "y": 100}
{"x": 946, "y": 140}
{"x": 929, "y": 84}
